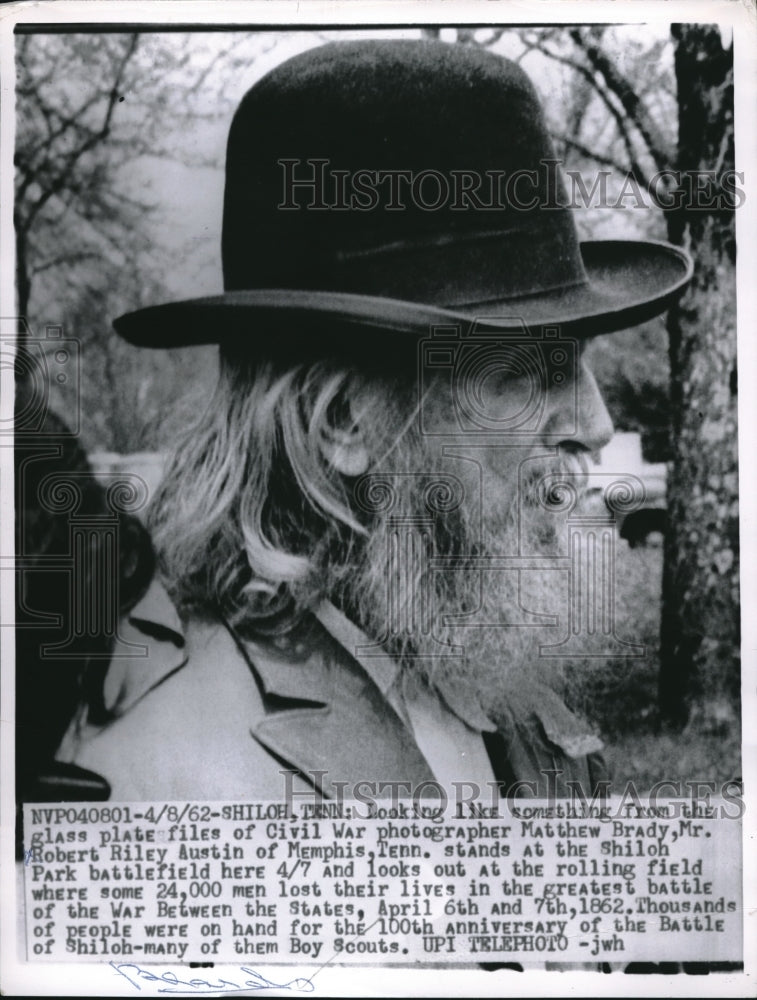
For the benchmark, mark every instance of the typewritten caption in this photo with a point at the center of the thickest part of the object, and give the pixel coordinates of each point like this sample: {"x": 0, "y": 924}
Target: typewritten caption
{"x": 240, "y": 882}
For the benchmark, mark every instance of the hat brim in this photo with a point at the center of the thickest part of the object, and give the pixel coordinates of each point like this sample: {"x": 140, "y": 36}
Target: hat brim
{"x": 629, "y": 282}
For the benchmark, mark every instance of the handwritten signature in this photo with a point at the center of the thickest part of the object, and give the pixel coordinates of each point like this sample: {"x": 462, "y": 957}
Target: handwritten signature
{"x": 172, "y": 984}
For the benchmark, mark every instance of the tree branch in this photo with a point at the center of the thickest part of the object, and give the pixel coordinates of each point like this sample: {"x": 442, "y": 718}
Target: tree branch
{"x": 93, "y": 139}
{"x": 635, "y": 168}
{"x": 629, "y": 99}
{"x": 589, "y": 153}
{"x": 66, "y": 258}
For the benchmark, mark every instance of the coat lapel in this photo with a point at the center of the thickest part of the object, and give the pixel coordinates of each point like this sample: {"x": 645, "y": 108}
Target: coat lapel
{"x": 328, "y": 720}
{"x": 322, "y": 713}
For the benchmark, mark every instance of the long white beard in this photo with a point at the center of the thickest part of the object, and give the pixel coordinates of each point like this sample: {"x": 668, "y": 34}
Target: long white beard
{"x": 445, "y": 582}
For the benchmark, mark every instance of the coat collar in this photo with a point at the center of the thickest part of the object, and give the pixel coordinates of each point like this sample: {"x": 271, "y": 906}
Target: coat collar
{"x": 385, "y": 670}
{"x": 328, "y": 718}
{"x": 326, "y": 699}
{"x": 301, "y": 673}
{"x": 149, "y": 647}
{"x": 297, "y": 670}
{"x": 323, "y": 715}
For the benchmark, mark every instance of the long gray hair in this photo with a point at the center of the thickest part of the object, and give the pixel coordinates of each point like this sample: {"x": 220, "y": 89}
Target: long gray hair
{"x": 251, "y": 518}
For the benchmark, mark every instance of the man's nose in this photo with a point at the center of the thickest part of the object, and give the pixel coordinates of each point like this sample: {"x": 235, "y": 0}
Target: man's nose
{"x": 577, "y": 413}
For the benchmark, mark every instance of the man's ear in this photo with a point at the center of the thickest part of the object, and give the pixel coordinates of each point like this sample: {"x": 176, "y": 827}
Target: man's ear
{"x": 346, "y": 451}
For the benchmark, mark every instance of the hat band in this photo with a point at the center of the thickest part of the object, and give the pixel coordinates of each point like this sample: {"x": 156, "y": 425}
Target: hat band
{"x": 449, "y": 270}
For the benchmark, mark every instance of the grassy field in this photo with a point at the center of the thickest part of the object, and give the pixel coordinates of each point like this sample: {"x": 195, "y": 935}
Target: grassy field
{"x": 619, "y": 696}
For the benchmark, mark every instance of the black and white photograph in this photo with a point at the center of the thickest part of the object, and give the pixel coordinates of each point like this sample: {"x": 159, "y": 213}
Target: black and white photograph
{"x": 377, "y": 519}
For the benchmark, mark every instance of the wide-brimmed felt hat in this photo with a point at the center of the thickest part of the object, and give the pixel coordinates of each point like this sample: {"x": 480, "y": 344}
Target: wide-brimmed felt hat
{"x": 398, "y": 186}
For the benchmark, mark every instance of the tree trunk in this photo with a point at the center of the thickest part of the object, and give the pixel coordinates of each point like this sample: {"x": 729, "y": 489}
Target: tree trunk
{"x": 23, "y": 291}
{"x": 700, "y": 621}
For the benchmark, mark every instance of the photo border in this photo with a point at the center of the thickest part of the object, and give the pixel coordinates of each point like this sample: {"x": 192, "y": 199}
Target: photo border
{"x": 69, "y": 978}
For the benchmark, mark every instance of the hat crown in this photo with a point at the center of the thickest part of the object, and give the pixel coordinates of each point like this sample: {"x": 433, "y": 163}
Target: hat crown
{"x": 415, "y": 170}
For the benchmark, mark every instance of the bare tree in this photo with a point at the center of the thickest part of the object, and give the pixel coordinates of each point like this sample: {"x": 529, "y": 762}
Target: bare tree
{"x": 700, "y": 625}
{"x": 65, "y": 154}
{"x": 92, "y": 111}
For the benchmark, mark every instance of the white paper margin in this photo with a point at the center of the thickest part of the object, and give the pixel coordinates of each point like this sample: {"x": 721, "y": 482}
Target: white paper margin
{"x": 69, "y": 979}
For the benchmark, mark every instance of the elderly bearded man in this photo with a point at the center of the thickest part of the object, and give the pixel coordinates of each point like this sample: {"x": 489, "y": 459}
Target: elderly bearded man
{"x": 401, "y": 388}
